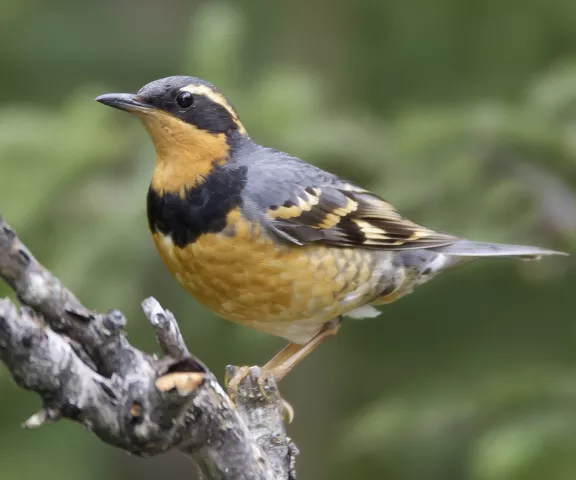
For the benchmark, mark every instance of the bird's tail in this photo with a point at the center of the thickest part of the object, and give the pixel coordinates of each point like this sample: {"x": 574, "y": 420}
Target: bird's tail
{"x": 468, "y": 248}
{"x": 423, "y": 265}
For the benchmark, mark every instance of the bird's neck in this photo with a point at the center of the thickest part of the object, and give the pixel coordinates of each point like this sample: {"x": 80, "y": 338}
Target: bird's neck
{"x": 185, "y": 155}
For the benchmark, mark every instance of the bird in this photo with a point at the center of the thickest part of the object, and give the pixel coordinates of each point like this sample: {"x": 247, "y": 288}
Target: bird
{"x": 268, "y": 241}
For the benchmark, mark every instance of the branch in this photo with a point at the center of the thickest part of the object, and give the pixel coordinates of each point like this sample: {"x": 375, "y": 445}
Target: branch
{"x": 85, "y": 370}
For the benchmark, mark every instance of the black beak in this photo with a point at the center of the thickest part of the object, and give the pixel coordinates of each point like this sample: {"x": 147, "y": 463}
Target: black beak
{"x": 123, "y": 101}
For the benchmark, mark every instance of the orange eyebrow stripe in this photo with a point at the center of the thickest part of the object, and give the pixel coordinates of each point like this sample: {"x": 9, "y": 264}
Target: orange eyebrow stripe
{"x": 216, "y": 98}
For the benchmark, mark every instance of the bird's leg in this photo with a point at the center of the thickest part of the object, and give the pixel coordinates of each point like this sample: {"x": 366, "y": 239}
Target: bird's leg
{"x": 292, "y": 354}
{"x": 284, "y": 361}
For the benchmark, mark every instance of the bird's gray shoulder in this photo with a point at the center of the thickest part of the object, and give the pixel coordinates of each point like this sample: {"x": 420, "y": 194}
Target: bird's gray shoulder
{"x": 274, "y": 178}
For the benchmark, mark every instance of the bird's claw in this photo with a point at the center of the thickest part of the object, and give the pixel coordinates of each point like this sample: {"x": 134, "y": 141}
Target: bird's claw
{"x": 232, "y": 380}
{"x": 287, "y": 411}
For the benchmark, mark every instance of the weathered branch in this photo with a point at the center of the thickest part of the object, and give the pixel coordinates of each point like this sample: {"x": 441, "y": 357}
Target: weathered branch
{"x": 84, "y": 369}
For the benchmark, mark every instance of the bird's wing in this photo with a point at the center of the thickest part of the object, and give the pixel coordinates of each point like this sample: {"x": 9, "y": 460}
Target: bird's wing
{"x": 304, "y": 204}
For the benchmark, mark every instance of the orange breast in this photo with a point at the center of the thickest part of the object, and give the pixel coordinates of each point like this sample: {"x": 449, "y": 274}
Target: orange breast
{"x": 244, "y": 276}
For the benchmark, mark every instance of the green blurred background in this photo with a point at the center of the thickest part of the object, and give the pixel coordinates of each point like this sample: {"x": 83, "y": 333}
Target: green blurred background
{"x": 461, "y": 113}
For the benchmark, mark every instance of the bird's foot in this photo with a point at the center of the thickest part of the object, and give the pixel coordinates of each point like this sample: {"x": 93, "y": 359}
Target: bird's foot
{"x": 263, "y": 387}
{"x": 232, "y": 379}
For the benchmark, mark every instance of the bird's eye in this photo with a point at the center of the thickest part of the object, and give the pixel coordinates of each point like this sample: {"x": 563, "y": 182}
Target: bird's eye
{"x": 185, "y": 99}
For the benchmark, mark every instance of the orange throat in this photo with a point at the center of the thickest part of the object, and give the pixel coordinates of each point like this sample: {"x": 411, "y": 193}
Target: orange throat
{"x": 185, "y": 155}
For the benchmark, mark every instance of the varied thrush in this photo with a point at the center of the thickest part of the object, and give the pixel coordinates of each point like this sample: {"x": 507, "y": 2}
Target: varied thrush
{"x": 267, "y": 240}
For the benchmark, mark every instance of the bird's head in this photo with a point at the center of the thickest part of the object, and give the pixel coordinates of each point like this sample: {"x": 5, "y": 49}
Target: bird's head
{"x": 191, "y": 123}
{"x": 187, "y": 100}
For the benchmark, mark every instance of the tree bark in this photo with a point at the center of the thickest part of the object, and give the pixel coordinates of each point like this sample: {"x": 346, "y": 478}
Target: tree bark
{"x": 84, "y": 369}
